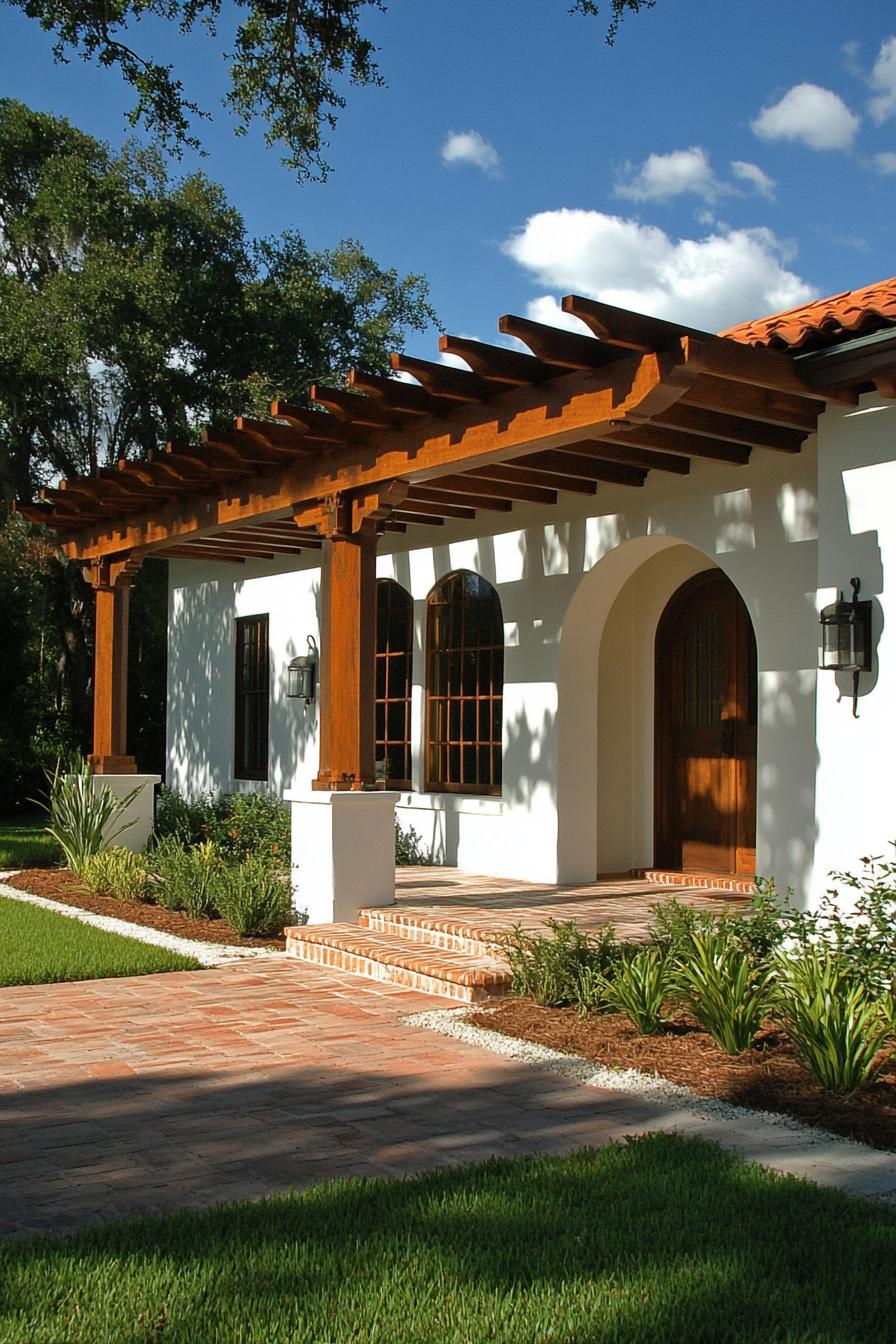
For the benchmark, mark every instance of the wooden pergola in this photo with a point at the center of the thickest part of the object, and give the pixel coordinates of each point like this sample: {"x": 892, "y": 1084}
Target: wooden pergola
{"x": 389, "y": 454}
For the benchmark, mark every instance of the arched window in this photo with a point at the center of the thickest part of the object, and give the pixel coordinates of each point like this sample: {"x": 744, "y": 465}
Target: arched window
{"x": 465, "y": 685}
{"x": 394, "y": 647}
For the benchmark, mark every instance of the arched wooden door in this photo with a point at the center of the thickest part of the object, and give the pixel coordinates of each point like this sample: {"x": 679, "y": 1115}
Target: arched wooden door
{"x": 706, "y": 730}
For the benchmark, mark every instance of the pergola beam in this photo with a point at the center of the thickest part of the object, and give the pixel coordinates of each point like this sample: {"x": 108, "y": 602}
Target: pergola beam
{"x": 556, "y": 346}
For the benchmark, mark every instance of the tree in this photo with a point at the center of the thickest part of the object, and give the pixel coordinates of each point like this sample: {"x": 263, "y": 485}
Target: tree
{"x": 133, "y": 310}
{"x": 290, "y": 60}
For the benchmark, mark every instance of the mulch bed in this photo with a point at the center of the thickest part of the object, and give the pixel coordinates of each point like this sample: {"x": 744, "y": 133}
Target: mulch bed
{"x": 769, "y": 1077}
{"x": 60, "y": 884}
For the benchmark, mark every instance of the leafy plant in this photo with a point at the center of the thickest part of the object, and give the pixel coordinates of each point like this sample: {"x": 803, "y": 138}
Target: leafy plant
{"x": 409, "y": 849}
{"x": 839, "y": 1026}
{"x": 240, "y": 826}
{"x": 863, "y": 937}
{"x": 189, "y": 821}
{"x": 559, "y": 967}
{"x": 726, "y": 993}
{"x": 186, "y": 877}
{"x": 84, "y": 819}
{"x": 255, "y": 825}
{"x": 756, "y": 931}
{"x": 639, "y": 986}
{"x": 253, "y": 899}
{"x": 119, "y": 872}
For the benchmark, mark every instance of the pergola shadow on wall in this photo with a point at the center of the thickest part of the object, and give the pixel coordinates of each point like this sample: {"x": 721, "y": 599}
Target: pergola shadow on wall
{"x": 628, "y": 396}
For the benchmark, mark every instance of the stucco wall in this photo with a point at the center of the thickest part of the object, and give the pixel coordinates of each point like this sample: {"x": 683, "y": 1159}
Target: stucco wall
{"x": 856, "y": 795}
{"x": 581, "y": 596}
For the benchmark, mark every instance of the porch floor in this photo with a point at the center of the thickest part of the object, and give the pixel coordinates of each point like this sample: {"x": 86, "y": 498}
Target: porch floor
{"x": 490, "y": 906}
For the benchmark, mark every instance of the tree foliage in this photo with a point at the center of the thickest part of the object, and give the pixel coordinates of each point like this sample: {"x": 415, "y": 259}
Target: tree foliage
{"x": 290, "y": 64}
{"x": 133, "y": 310}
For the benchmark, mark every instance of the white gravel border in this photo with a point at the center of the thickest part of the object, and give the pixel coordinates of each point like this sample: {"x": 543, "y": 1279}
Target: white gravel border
{"x": 849, "y": 1156}
{"x": 207, "y": 954}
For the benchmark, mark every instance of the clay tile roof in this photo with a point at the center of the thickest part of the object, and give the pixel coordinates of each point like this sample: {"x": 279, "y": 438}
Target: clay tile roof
{"x": 825, "y": 322}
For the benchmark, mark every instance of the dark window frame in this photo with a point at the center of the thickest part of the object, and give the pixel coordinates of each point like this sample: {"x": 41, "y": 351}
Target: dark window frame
{"x": 252, "y": 698}
{"x": 464, "y": 686}
{"x": 394, "y": 680}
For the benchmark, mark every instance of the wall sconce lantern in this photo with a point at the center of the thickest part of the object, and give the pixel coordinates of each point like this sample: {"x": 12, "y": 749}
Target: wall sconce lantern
{"x": 302, "y": 675}
{"x": 846, "y": 638}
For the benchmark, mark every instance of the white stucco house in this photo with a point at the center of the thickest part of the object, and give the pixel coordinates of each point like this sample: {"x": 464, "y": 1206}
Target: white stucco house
{"x": 599, "y": 579}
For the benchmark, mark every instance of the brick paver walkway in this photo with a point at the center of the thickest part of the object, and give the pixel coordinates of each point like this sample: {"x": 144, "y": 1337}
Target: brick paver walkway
{"x": 178, "y": 1091}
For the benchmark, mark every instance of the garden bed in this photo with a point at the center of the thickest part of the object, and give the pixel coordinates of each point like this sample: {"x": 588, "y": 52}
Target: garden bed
{"x": 60, "y": 884}
{"x": 768, "y": 1077}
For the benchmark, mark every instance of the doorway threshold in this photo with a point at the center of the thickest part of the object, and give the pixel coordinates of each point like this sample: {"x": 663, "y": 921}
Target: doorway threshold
{"x": 724, "y": 883}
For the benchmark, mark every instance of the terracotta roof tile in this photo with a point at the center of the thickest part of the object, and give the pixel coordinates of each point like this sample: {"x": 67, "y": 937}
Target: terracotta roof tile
{"x": 825, "y": 322}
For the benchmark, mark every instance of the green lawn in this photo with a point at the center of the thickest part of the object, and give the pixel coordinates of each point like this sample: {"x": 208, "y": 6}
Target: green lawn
{"x": 25, "y": 844}
{"x": 661, "y": 1241}
{"x": 38, "y": 947}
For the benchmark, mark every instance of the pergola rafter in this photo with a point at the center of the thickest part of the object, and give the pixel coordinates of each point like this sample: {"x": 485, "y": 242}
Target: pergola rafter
{"x": 562, "y": 411}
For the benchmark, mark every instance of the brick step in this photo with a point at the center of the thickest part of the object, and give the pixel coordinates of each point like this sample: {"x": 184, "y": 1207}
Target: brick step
{"x": 425, "y": 927}
{"x": 385, "y": 956}
{"x": 715, "y": 884}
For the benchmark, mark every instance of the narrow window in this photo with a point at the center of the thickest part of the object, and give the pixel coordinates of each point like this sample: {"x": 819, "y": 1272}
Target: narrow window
{"x": 252, "y": 696}
{"x": 465, "y": 685}
{"x": 394, "y": 648}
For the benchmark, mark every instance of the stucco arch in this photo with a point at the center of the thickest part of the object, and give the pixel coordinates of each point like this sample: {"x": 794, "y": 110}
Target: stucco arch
{"x": 605, "y": 739}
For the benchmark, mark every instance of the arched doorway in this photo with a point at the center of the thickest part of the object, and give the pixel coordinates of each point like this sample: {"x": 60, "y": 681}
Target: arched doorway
{"x": 705, "y": 761}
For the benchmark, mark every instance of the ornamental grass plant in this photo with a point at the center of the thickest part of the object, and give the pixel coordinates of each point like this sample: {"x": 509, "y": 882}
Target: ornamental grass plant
{"x": 842, "y": 1030}
{"x": 185, "y": 877}
{"x": 253, "y": 898}
{"x": 639, "y": 986}
{"x": 723, "y": 989}
{"x": 84, "y": 819}
{"x": 118, "y": 872}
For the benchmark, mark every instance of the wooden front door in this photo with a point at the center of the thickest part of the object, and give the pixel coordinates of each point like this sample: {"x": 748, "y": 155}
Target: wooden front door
{"x": 706, "y": 730}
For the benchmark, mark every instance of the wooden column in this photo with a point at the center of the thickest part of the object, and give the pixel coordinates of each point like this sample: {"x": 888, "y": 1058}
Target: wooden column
{"x": 349, "y": 525}
{"x": 111, "y": 583}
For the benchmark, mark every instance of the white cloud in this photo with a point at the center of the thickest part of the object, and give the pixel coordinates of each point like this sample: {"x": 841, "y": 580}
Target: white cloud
{"x": 753, "y": 175}
{"x": 886, "y": 162}
{"x": 711, "y": 282}
{"x": 814, "y": 116}
{"x": 473, "y": 148}
{"x": 883, "y": 80}
{"x": 662, "y": 176}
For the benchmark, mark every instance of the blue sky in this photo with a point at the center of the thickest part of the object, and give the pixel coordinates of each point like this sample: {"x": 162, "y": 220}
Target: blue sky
{"x": 722, "y": 161}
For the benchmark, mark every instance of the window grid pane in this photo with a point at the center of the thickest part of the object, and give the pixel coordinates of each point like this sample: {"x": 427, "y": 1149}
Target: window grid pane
{"x": 252, "y": 698}
{"x": 394, "y": 649}
{"x": 465, "y": 684}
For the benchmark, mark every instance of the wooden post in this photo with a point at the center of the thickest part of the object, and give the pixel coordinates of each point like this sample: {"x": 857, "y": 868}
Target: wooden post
{"x": 111, "y": 583}
{"x": 349, "y": 526}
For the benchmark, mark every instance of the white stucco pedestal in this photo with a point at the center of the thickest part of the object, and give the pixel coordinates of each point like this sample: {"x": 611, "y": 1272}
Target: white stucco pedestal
{"x": 343, "y": 852}
{"x": 141, "y": 811}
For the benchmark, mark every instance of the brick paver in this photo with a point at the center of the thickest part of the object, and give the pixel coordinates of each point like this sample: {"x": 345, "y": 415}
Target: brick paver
{"x": 155, "y": 1093}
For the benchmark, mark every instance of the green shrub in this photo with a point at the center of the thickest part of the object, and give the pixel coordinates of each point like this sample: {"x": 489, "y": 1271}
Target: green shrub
{"x": 118, "y": 872}
{"x": 253, "y": 899}
{"x": 83, "y": 819}
{"x": 863, "y": 938}
{"x": 757, "y": 931}
{"x": 726, "y": 993}
{"x": 189, "y": 822}
{"x": 239, "y": 825}
{"x": 561, "y": 967}
{"x": 409, "y": 849}
{"x": 838, "y": 1025}
{"x": 639, "y": 986}
{"x": 185, "y": 877}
